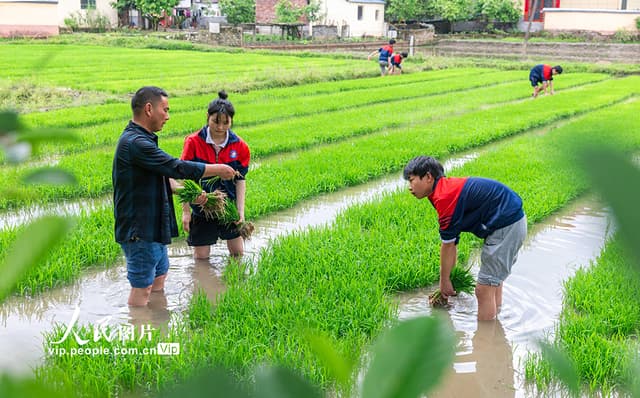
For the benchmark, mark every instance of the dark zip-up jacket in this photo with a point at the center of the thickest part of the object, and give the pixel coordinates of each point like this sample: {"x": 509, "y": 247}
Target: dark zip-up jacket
{"x": 142, "y": 202}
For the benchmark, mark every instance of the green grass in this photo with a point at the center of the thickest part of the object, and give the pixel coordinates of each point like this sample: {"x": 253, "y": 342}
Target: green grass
{"x": 330, "y": 279}
{"x": 354, "y": 162}
{"x": 335, "y": 279}
{"x": 92, "y": 169}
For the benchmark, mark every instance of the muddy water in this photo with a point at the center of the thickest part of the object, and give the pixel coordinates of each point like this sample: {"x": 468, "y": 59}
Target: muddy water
{"x": 528, "y": 310}
{"x": 64, "y": 208}
{"x": 489, "y": 358}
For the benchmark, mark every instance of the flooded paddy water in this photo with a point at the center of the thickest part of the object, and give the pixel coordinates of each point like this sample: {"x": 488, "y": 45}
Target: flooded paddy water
{"x": 488, "y": 355}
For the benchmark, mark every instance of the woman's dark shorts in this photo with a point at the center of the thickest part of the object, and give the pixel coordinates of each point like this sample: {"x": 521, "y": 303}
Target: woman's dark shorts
{"x": 205, "y": 232}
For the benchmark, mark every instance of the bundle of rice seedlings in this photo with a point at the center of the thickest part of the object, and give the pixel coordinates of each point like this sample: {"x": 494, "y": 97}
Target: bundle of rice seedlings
{"x": 213, "y": 207}
{"x": 462, "y": 281}
{"x": 231, "y": 215}
{"x": 218, "y": 206}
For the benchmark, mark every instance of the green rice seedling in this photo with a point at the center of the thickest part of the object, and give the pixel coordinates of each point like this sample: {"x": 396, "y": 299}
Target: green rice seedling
{"x": 462, "y": 281}
{"x": 215, "y": 205}
{"x": 230, "y": 215}
{"x": 325, "y": 279}
{"x": 218, "y": 206}
{"x": 189, "y": 191}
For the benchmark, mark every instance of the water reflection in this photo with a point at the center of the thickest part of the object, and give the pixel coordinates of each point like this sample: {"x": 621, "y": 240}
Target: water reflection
{"x": 207, "y": 278}
{"x": 482, "y": 369}
{"x": 155, "y": 314}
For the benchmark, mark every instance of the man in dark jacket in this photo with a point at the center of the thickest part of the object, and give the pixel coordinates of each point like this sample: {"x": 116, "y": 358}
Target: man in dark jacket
{"x": 143, "y": 207}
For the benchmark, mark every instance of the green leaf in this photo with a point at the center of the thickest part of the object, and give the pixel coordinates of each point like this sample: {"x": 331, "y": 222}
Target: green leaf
{"x": 209, "y": 383}
{"x": 28, "y": 388}
{"x": 49, "y": 175}
{"x": 31, "y": 246}
{"x": 617, "y": 180}
{"x": 409, "y": 359}
{"x": 8, "y": 122}
{"x": 563, "y": 368}
{"x": 278, "y": 382}
{"x": 337, "y": 365}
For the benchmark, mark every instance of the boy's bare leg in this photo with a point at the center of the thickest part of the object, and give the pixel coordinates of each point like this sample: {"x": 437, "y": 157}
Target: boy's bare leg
{"x": 487, "y": 308}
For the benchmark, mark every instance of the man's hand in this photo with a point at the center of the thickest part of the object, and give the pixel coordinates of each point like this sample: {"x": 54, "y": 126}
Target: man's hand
{"x": 226, "y": 172}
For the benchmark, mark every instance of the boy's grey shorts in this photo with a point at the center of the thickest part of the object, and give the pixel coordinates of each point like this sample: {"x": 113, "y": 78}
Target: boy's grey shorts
{"x": 500, "y": 252}
{"x": 383, "y": 65}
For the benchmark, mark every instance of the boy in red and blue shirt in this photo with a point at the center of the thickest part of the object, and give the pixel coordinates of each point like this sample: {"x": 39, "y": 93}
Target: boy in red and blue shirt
{"x": 488, "y": 209}
{"x": 543, "y": 74}
{"x": 385, "y": 54}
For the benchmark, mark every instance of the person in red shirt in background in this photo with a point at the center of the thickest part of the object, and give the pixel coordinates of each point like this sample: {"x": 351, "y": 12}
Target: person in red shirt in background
{"x": 395, "y": 61}
{"x": 543, "y": 74}
{"x": 384, "y": 58}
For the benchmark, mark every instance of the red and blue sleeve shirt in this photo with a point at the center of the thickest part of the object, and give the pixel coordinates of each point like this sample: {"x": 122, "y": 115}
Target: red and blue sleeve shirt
{"x": 385, "y": 52}
{"x": 547, "y": 74}
{"x": 472, "y": 204}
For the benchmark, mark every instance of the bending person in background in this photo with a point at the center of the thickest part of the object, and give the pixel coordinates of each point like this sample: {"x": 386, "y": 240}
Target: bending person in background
{"x": 488, "y": 209}
{"x": 143, "y": 206}
{"x": 541, "y": 77}
{"x": 215, "y": 143}
{"x": 395, "y": 61}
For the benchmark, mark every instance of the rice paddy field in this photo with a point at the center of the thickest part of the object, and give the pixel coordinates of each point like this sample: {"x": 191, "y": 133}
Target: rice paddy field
{"x": 318, "y": 124}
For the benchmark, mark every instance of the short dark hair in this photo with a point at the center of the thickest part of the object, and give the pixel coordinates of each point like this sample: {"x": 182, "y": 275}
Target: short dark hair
{"x": 421, "y": 165}
{"x": 145, "y": 95}
{"x": 404, "y": 54}
{"x": 221, "y": 105}
{"x": 558, "y": 69}
{"x": 392, "y": 41}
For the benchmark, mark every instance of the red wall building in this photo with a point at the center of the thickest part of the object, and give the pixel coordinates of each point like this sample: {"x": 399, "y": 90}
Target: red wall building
{"x": 266, "y": 9}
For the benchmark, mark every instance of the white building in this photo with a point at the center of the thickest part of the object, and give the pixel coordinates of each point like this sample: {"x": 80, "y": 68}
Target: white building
{"x": 354, "y": 18}
{"x": 44, "y": 17}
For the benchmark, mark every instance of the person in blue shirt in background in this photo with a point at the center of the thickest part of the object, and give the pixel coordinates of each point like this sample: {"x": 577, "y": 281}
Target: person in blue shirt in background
{"x": 385, "y": 54}
{"x": 543, "y": 74}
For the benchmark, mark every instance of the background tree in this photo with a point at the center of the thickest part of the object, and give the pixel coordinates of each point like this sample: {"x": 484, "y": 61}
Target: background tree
{"x": 452, "y": 10}
{"x": 238, "y": 11}
{"x": 312, "y": 11}
{"x": 286, "y": 12}
{"x": 498, "y": 10}
{"x": 123, "y": 7}
{"x": 155, "y": 10}
{"x": 405, "y": 10}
